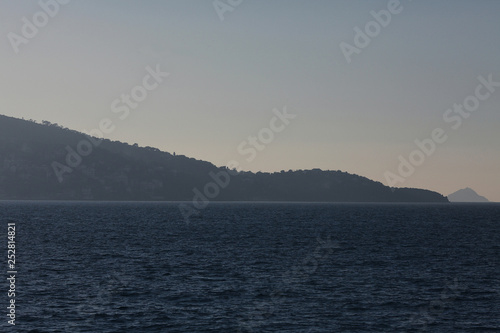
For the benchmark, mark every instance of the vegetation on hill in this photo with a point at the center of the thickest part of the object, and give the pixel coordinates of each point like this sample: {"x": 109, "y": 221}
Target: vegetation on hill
{"x": 47, "y": 161}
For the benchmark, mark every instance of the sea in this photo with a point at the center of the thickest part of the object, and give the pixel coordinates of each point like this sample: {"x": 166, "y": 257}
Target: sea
{"x": 250, "y": 267}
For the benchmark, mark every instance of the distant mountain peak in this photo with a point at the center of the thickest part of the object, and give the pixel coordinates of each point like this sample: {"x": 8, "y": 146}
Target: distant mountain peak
{"x": 466, "y": 195}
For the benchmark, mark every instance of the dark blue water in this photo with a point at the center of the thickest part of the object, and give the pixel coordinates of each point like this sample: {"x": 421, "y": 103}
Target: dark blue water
{"x": 138, "y": 267}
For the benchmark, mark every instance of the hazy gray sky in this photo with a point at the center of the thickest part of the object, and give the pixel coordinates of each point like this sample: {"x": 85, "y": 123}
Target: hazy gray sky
{"x": 227, "y": 76}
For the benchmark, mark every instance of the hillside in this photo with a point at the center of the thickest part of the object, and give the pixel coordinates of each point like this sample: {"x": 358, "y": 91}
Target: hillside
{"x": 45, "y": 161}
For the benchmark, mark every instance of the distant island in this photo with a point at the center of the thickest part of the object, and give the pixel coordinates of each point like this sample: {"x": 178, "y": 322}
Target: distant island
{"x": 466, "y": 195}
{"x": 48, "y": 162}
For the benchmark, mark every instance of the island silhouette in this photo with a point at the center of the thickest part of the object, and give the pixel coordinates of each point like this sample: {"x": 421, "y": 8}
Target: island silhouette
{"x": 466, "y": 195}
{"x": 48, "y": 162}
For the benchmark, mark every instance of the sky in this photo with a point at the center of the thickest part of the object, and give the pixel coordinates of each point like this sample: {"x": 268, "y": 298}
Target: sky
{"x": 358, "y": 91}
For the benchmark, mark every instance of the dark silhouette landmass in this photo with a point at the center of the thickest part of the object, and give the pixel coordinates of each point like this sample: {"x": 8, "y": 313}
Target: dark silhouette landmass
{"x": 48, "y": 162}
{"x": 466, "y": 195}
